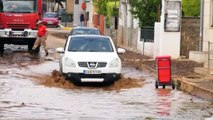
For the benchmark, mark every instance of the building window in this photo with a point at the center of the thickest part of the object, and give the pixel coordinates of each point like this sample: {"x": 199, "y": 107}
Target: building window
{"x": 76, "y": 1}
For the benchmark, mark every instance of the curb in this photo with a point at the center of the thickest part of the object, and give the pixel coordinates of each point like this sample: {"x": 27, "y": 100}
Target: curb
{"x": 193, "y": 89}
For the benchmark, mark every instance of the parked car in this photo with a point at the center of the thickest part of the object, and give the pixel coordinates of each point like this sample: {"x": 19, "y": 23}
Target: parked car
{"x": 50, "y": 19}
{"x": 90, "y": 58}
{"x": 84, "y": 31}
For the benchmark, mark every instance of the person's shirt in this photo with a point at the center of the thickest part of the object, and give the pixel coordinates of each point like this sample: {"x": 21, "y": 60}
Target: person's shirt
{"x": 42, "y": 30}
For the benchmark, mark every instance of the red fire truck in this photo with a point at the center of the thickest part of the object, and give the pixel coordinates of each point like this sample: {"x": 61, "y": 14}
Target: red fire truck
{"x": 18, "y": 20}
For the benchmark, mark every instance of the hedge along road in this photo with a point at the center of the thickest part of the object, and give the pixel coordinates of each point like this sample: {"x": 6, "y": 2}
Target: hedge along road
{"x": 32, "y": 88}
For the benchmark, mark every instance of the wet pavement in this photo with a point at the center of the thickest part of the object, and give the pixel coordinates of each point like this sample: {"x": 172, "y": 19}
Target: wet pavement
{"x": 32, "y": 88}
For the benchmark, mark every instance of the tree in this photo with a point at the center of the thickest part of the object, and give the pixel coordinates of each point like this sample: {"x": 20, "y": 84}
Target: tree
{"x": 101, "y": 6}
{"x": 191, "y": 7}
{"x": 145, "y": 10}
{"x": 107, "y": 8}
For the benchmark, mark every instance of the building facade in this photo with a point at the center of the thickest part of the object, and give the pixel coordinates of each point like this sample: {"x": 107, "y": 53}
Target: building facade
{"x": 207, "y": 24}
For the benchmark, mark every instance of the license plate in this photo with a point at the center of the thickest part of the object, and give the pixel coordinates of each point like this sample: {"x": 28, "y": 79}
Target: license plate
{"x": 92, "y": 72}
{"x": 92, "y": 79}
{"x": 49, "y": 22}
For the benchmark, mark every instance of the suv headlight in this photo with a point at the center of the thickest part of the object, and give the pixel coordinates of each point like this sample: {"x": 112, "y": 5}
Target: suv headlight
{"x": 69, "y": 62}
{"x": 114, "y": 63}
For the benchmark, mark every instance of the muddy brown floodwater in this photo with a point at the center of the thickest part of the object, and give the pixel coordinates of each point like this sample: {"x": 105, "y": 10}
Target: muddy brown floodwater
{"x": 56, "y": 79}
{"x": 33, "y": 89}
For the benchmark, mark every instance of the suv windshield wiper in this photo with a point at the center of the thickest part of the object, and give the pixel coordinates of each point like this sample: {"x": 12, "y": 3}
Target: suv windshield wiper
{"x": 11, "y": 11}
{"x": 73, "y": 50}
{"x": 93, "y": 51}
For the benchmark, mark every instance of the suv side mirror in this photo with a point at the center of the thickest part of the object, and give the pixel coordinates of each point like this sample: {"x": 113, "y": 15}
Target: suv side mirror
{"x": 121, "y": 50}
{"x": 60, "y": 50}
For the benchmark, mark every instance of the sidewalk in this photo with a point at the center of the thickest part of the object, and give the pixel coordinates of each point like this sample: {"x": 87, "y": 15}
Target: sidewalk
{"x": 66, "y": 25}
{"x": 200, "y": 87}
{"x": 182, "y": 73}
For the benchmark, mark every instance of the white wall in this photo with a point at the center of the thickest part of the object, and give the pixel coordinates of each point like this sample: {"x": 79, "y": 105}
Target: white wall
{"x": 121, "y": 15}
{"x": 166, "y": 43}
{"x": 130, "y": 26}
{"x": 207, "y": 30}
{"x": 77, "y": 12}
{"x": 90, "y": 10}
{"x": 158, "y": 35}
{"x": 146, "y": 48}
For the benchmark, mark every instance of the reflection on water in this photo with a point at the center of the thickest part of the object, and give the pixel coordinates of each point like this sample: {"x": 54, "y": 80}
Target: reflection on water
{"x": 27, "y": 94}
{"x": 163, "y": 102}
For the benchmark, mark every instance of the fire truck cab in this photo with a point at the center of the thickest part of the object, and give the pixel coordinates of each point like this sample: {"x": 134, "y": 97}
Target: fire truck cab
{"x": 18, "y": 20}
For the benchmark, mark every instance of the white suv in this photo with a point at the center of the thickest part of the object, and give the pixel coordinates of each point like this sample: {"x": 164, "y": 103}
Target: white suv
{"x": 90, "y": 58}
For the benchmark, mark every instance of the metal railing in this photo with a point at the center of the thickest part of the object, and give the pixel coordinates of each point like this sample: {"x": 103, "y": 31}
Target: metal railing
{"x": 210, "y": 57}
{"x": 147, "y": 34}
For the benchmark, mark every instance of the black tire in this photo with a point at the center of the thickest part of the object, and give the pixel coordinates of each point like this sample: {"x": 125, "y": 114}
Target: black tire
{"x": 156, "y": 84}
{"x": 173, "y": 86}
{"x": 164, "y": 86}
{"x": 30, "y": 45}
{"x": 1, "y": 47}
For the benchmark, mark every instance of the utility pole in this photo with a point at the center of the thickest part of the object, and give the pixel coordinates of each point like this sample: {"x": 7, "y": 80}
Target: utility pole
{"x": 58, "y": 6}
{"x": 201, "y": 25}
{"x": 116, "y": 22}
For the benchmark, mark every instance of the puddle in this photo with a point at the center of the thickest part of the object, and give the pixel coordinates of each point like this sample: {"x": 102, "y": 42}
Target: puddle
{"x": 32, "y": 88}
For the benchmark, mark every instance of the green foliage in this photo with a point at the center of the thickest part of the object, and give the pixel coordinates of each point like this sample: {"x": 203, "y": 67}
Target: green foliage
{"x": 101, "y": 6}
{"x": 112, "y": 10}
{"x": 191, "y": 7}
{"x": 145, "y": 10}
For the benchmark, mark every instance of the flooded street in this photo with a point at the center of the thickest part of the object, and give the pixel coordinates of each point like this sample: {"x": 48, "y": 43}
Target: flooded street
{"x": 32, "y": 88}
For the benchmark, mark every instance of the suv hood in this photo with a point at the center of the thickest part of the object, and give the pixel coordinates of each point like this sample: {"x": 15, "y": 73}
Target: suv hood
{"x": 92, "y": 56}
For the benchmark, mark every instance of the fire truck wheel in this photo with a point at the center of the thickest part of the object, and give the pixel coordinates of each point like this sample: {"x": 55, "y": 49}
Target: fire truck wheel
{"x": 156, "y": 84}
{"x": 173, "y": 85}
{"x": 1, "y": 47}
{"x": 30, "y": 45}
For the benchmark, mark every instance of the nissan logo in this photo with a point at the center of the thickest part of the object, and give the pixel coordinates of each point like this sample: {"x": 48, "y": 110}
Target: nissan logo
{"x": 92, "y": 64}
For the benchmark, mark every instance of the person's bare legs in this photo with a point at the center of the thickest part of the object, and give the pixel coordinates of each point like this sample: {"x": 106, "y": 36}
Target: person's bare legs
{"x": 37, "y": 43}
{"x": 43, "y": 43}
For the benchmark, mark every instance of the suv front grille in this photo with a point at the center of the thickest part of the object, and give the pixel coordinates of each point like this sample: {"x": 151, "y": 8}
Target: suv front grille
{"x": 92, "y": 75}
{"x": 85, "y": 64}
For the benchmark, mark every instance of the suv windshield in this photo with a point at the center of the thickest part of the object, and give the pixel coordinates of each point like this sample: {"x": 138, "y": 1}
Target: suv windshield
{"x": 90, "y": 44}
{"x": 18, "y": 6}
